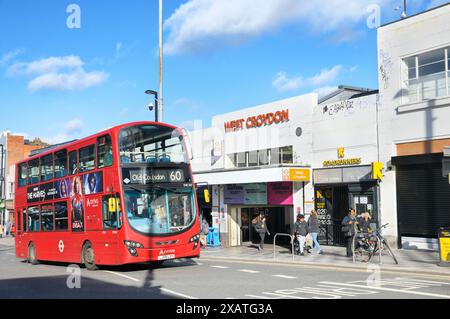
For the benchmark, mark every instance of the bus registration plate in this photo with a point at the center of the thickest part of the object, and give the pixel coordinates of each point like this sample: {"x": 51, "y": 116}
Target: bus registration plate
{"x": 166, "y": 257}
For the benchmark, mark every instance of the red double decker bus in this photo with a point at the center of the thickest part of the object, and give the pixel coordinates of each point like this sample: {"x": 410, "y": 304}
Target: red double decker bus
{"x": 122, "y": 196}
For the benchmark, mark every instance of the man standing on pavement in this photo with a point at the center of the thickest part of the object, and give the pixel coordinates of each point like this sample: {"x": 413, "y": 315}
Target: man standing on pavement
{"x": 301, "y": 231}
{"x": 349, "y": 229}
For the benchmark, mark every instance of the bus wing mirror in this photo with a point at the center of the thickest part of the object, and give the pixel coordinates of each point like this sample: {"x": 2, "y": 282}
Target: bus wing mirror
{"x": 112, "y": 205}
{"x": 207, "y": 196}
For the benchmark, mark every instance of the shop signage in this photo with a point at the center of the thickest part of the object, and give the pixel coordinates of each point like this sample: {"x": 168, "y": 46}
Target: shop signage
{"x": 255, "y": 194}
{"x": 296, "y": 175}
{"x": 258, "y": 121}
{"x": 444, "y": 246}
{"x": 234, "y": 194}
{"x": 343, "y": 162}
{"x": 280, "y": 194}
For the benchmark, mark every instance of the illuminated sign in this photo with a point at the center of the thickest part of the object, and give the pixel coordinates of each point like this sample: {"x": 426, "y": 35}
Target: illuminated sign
{"x": 258, "y": 121}
{"x": 342, "y": 161}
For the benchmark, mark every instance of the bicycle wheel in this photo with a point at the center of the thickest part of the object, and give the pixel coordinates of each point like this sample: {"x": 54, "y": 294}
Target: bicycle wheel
{"x": 390, "y": 251}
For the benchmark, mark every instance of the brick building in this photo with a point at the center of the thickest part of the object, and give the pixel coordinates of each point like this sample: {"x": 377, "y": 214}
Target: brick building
{"x": 16, "y": 148}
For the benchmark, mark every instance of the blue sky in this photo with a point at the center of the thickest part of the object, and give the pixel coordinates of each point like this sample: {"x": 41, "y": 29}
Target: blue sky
{"x": 221, "y": 55}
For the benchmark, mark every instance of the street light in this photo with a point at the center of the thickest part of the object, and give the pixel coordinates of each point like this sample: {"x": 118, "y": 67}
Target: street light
{"x": 155, "y": 106}
{"x": 2, "y": 183}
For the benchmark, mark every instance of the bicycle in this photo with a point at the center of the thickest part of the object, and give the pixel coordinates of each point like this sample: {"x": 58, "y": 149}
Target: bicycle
{"x": 370, "y": 244}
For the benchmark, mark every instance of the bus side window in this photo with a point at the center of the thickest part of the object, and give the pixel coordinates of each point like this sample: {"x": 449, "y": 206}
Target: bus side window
{"x": 61, "y": 164}
{"x": 109, "y": 217}
{"x": 33, "y": 172}
{"x": 22, "y": 178}
{"x": 73, "y": 162}
{"x": 104, "y": 151}
{"x": 86, "y": 157}
{"x": 24, "y": 221}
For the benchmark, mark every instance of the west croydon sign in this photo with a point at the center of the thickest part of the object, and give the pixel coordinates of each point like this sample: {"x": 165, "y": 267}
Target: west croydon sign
{"x": 258, "y": 121}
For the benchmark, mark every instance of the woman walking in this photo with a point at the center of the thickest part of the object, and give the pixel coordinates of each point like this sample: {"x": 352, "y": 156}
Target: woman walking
{"x": 261, "y": 228}
{"x": 314, "y": 228}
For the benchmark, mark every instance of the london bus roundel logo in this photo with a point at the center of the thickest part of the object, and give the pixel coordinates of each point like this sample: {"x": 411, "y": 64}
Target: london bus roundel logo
{"x": 61, "y": 246}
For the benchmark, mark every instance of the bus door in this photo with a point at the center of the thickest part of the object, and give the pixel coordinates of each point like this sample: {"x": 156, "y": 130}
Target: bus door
{"x": 111, "y": 223}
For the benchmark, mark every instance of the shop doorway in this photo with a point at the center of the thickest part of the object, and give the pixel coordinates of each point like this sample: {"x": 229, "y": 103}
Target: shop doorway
{"x": 275, "y": 220}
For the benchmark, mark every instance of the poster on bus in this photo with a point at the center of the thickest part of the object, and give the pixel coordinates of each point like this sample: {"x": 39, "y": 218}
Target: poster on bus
{"x": 62, "y": 189}
{"x": 93, "y": 183}
{"x": 77, "y": 204}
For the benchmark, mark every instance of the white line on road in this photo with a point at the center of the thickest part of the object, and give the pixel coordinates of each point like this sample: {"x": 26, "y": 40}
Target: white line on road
{"x": 220, "y": 267}
{"x": 249, "y": 271}
{"x": 284, "y": 277}
{"x": 177, "y": 293}
{"x": 419, "y": 293}
{"x": 121, "y": 275}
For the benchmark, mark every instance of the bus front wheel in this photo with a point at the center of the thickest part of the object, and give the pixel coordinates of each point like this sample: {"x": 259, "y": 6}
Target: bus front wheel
{"x": 88, "y": 257}
{"x": 32, "y": 255}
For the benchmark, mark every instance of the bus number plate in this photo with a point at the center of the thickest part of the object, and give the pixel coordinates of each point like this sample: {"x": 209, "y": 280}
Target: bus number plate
{"x": 166, "y": 257}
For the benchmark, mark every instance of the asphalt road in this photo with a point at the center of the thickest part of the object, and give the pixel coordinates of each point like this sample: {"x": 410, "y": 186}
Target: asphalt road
{"x": 212, "y": 279}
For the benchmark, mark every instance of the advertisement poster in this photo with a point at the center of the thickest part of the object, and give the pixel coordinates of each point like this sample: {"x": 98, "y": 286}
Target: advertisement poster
{"x": 93, "y": 183}
{"x": 280, "y": 194}
{"x": 77, "y": 204}
{"x": 255, "y": 194}
{"x": 62, "y": 188}
{"x": 234, "y": 194}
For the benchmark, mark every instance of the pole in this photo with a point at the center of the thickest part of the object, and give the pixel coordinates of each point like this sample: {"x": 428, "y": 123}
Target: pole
{"x": 160, "y": 105}
{"x": 2, "y": 181}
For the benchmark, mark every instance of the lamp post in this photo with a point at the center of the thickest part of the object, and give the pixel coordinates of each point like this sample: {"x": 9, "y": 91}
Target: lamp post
{"x": 2, "y": 184}
{"x": 160, "y": 105}
{"x": 156, "y": 106}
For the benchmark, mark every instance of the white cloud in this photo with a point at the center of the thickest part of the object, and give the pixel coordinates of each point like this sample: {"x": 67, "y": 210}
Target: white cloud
{"x": 325, "y": 90}
{"x": 203, "y": 24}
{"x": 73, "y": 81}
{"x": 283, "y": 82}
{"x": 9, "y": 56}
{"x": 74, "y": 126}
{"x": 58, "y": 74}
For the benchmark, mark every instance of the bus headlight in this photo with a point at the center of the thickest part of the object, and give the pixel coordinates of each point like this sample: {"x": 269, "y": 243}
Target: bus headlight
{"x": 133, "y": 244}
{"x": 195, "y": 239}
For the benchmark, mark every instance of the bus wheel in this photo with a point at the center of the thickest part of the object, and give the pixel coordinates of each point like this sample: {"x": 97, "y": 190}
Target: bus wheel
{"x": 32, "y": 255}
{"x": 88, "y": 257}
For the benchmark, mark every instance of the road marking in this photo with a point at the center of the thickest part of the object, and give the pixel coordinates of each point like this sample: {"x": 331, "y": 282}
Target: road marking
{"x": 220, "y": 267}
{"x": 419, "y": 293}
{"x": 249, "y": 271}
{"x": 277, "y": 296}
{"x": 284, "y": 277}
{"x": 177, "y": 293}
{"x": 121, "y": 275}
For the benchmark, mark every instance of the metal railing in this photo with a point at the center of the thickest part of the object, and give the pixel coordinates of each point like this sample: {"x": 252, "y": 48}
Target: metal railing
{"x": 275, "y": 241}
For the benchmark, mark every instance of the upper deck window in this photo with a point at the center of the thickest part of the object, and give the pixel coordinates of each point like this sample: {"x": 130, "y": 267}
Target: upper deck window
{"x": 151, "y": 144}
{"x": 87, "y": 158}
{"x": 47, "y": 168}
{"x": 104, "y": 151}
{"x": 61, "y": 164}
{"x": 22, "y": 178}
{"x": 33, "y": 172}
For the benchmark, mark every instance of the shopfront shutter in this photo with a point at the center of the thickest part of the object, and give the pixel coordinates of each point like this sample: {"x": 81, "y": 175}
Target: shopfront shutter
{"x": 423, "y": 199}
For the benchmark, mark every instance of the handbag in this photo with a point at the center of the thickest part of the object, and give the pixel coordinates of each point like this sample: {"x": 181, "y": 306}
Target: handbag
{"x": 309, "y": 241}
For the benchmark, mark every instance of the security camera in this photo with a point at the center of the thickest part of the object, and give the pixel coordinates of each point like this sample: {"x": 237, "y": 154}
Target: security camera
{"x": 151, "y": 106}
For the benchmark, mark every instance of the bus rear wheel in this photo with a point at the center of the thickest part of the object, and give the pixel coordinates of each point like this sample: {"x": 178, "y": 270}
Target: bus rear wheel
{"x": 88, "y": 257}
{"x": 32, "y": 255}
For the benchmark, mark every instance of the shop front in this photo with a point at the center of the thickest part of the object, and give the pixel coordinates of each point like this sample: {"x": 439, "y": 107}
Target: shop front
{"x": 339, "y": 189}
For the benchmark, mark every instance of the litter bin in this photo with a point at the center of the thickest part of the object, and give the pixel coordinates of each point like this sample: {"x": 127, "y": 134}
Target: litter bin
{"x": 444, "y": 246}
{"x": 213, "y": 238}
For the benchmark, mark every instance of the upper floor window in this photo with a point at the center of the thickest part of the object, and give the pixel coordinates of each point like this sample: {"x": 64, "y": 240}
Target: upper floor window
{"x": 61, "y": 164}
{"x": 104, "y": 151}
{"x": 73, "y": 162}
{"x": 426, "y": 76}
{"x": 87, "y": 158}
{"x": 22, "y": 178}
{"x": 33, "y": 172}
{"x": 275, "y": 156}
{"x": 47, "y": 168}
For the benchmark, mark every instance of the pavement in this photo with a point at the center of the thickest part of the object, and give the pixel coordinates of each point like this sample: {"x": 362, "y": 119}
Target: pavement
{"x": 419, "y": 261}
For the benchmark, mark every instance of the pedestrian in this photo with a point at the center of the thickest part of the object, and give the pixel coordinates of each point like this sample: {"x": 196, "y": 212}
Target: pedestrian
{"x": 1, "y": 230}
{"x": 364, "y": 223}
{"x": 301, "y": 231}
{"x": 204, "y": 233}
{"x": 8, "y": 228}
{"x": 261, "y": 228}
{"x": 349, "y": 225}
{"x": 314, "y": 228}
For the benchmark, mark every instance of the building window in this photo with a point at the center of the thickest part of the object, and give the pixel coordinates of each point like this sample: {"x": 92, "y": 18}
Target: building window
{"x": 426, "y": 76}
{"x": 241, "y": 160}
{"x": 61, "y": 217}
{"x": 47, "y": 168}
{"x": 61, "y": 164}
{"x": 275, "y": 156}
{"x": 87, "y": 158}
{"x": 33, "y": 172}
{"x": 253, "y": 159}
{"x": 22, "y": 175}
{"x": 287, "y": 155}
{"x": 263, "y": 157}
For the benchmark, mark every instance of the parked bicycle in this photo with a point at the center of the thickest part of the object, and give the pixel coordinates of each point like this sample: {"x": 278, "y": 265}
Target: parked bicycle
{"x": 367, "y": 245}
